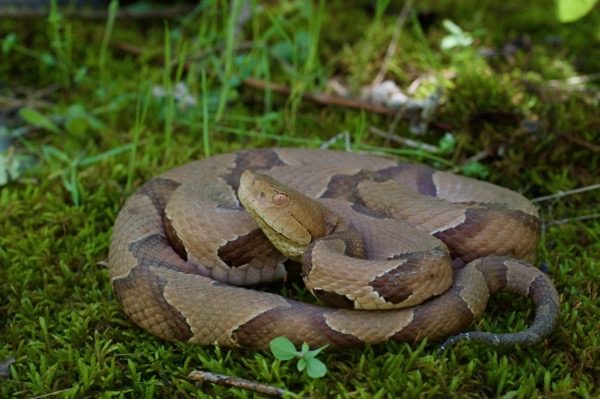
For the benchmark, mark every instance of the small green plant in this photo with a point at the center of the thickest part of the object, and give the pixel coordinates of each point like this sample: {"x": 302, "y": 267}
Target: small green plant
{"x": 284, "y": 349}
{"x": 456, "y": 37}
{"x": 75, "y": 120}
{"x": 68, "y": 166}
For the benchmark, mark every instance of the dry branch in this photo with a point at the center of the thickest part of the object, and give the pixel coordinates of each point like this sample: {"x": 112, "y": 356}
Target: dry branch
{"x": 236, "y": 382}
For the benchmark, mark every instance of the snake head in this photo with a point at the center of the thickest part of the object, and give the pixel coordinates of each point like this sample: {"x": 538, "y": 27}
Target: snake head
{"x": 288, "y": 218}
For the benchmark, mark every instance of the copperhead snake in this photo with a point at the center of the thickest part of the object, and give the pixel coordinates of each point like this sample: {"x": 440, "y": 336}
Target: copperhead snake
{"x": 399, "y": 251}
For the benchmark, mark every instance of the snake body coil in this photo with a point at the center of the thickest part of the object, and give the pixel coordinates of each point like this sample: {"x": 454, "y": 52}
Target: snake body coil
{"x": 404, "y": 252}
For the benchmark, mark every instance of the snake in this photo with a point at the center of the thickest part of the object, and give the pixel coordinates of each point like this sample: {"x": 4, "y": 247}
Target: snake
{"x": 391, "y": 251}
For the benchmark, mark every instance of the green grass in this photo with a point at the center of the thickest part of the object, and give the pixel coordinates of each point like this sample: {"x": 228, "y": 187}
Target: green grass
{"x": 105, "y": 134}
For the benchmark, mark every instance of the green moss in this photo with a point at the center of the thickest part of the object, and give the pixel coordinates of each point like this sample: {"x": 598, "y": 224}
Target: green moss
{"x": 58, "y": 316}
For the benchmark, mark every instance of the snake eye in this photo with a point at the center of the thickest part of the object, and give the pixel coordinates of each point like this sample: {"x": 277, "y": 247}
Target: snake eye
{"x": 280, "y": 199}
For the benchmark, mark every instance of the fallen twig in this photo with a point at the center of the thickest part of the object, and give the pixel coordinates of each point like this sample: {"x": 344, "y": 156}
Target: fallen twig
{"x": 481, "y": 155}
{"x": 55, "y": 393}
{"x": 320, "y": 98}
{"x": 325, "y": 99}
{"x": 236, "y": 382}
{"x": 345, "y": 135}
{"x": 404, "y": 141}
{"x": 573, "y": 219}
{"x": 561, "y": 194}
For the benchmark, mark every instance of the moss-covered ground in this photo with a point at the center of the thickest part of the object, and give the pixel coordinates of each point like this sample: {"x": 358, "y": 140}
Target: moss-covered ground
{"x": 82, "y": 125}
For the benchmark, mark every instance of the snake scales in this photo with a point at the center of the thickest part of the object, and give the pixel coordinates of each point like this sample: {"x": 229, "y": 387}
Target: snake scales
{"x": 428, "y": 246}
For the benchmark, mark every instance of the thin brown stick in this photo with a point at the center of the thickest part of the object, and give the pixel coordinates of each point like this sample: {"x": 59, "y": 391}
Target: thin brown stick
{"x": 236, "y": 382}
{"x": 55, "y": 393}
{"x": 475, "y": 158}
{"x": 573, "y": 219}
{"x": 404, "y": 141}
{"x": 319, "y": 98}
{"x": 326, "y": 99}
{"x": 561, "y": 194}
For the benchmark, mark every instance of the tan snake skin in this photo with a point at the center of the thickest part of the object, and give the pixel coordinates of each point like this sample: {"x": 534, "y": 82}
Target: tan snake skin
{"x": 432, "y": 245}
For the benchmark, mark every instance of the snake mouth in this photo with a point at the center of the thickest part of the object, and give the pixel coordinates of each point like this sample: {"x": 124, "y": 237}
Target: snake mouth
{"x": 281, "y": 240}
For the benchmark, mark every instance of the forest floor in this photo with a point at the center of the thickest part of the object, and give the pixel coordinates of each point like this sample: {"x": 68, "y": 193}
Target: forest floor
{"x": 93, "y": 104}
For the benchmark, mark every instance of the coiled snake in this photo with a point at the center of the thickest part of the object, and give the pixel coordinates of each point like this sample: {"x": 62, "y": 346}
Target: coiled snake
{"x": 397, "y": 251}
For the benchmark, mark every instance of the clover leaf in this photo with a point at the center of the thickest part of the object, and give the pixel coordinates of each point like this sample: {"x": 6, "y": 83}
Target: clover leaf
{"x": 284, "y": 349}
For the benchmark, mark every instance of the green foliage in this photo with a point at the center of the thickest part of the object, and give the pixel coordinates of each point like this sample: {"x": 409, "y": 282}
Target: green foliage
{"x": 475, "y": 169}
{"x": 38, "y": 119}
{"x": 68, "y": 166}
{"x": 83, "y": 105}
{"x": 8, "y": 42}
{"x": 110, "y": 23}
{"x": 283, "y": 349}
{"x": 60, "y": 35}
{"x": 75, "y": 120}
{"x": 456, "y": 37}
{"x": 572, "y": 10}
